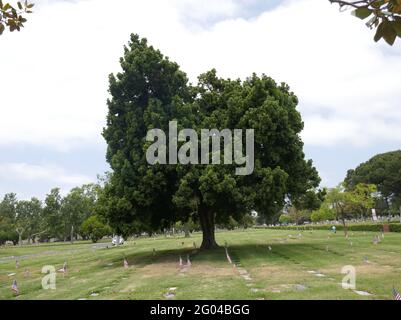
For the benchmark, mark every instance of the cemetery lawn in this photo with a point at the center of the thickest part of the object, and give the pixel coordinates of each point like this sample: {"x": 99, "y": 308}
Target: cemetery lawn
{"x": 297, "y": 267}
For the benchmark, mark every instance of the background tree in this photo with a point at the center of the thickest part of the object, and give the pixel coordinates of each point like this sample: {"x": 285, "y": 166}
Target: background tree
{"x": 284, "y": 219}
{"x": 11, "y": 17}
{"x": 7, "y": 232}
{"x": 324, "y": 213}
{"x": 150, "y": 92}
{"x": 8, "y": 213}
{"x": 52, "y": 215}
{"x": 338, "y": 199}
{"x": 28, "y": 220}
{"x": 187, "y": 227}
{"x": 247, "y": 221}
{"x": 76, "y": 207}
{"x": 298, "y": 216}
{"x": 361, "y": 200}
{"x": 384, "y": 171}
{"x": 95, "y": 228}
{"x": 311, "y": 200}
{"x": 385, "y": 16}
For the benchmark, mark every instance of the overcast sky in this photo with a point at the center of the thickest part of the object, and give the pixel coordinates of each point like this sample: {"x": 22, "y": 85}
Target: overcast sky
{"x": 54, "y": 78}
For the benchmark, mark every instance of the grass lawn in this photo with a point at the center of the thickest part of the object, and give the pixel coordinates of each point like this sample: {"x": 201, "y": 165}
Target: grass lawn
{"x": 297, "y": 267}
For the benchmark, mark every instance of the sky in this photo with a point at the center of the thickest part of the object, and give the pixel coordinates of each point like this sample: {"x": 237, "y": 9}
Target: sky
{"x": 54, "y": 78}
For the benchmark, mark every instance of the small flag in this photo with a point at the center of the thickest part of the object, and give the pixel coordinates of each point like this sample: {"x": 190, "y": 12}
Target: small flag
{"x": 126, "y": 265}
{"x": 64, "y": 268}
{"x": 188, "y": 261}
{"x": 14, "y": 288}
{"x": 396, "y": 294}
{"x": 270, "y": 248}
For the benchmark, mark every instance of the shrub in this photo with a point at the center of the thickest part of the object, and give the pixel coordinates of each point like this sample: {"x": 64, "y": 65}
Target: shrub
{"x": 323, "y": 214}
{"x": 95, "y": 228}
{"x": 284, "y": 219}
{"x": 373, "y": 227}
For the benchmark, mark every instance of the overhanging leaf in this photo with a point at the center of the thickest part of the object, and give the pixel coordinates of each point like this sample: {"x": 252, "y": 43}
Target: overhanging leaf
{"x": 389, "y": 34}
{"x": 362, "y": 13}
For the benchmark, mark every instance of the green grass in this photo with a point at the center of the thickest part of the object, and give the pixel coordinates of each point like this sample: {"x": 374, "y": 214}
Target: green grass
{"x": 275, "y": 274}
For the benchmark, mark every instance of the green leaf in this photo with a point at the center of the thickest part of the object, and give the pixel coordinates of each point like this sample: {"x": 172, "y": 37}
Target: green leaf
{"x": 2, "y": 27}
{"x": 379, "y": 32}
{"x": 397, "y": 26}
{"x": 362, "y": 13}
{"x": 389, "y": 34}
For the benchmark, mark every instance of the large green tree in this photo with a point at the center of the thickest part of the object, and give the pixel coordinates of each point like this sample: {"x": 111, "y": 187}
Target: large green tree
{"x": 150, "y": 92}
{"x": 384, "y": 171}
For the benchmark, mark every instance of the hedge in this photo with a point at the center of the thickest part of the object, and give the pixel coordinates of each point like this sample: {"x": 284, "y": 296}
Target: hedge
{"x": 375, "y": 227}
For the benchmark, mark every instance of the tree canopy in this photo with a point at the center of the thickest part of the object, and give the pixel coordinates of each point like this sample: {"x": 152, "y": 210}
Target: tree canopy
{"x": 385, "y": 16}
{"x": 57, "y": 217}
{"x": 150, "y": 92}
{"x": 384, "y": 171}
{"x": 11, "y": 17}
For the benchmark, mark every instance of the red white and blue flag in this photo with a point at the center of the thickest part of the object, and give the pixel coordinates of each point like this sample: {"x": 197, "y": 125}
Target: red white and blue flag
{"x": 396, "y": 295}
{"x": 14, "y": 288}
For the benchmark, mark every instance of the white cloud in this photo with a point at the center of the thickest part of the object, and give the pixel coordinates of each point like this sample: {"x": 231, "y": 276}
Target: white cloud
{"x": 48, "y": 173}
{"x": 56, "y": 85}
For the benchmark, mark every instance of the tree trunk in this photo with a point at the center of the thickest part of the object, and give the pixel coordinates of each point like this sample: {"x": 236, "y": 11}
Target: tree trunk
{"x": 206, "y": 218}
{"x": 186, "y": 232}
{"x": 345, "y": 226}
{"x": 72, "y": 234}
{"x": 20, "y": 231}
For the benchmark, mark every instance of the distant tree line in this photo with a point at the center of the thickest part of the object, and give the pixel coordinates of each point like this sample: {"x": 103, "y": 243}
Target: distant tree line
{"x": 375, "y": 184}
{"x": 59, "y": 218}
{"x": 78, "y": 215}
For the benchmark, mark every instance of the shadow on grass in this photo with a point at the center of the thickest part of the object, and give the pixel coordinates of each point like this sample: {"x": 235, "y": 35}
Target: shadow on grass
{"x": 292, "y": 252}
